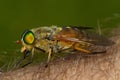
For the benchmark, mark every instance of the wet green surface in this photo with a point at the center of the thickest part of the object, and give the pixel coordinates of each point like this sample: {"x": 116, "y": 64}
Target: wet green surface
{"x": 17, "y": 16}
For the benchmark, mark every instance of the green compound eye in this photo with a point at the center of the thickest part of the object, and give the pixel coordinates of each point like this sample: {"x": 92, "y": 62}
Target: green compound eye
{"x": 28, "y": 37}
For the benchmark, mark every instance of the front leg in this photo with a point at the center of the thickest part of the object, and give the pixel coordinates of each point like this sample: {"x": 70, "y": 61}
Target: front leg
{"x": 31, "y": 60}
{"x": 26, "y": 54}
{"x": 49, "y": 55}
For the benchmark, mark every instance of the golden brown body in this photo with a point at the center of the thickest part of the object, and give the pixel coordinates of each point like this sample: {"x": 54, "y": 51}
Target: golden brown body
{"x": 54, "y": 39}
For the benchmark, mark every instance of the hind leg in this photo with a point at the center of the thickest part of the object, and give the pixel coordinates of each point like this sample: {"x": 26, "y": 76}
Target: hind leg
{"x": 77, "y": 47}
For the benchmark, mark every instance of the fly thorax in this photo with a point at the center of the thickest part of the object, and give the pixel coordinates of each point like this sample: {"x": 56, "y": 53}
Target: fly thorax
{"x": 43, "y": 44}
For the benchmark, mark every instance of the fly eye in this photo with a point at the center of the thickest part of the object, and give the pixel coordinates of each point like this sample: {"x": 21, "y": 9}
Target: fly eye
{"x": 28, "y": 37}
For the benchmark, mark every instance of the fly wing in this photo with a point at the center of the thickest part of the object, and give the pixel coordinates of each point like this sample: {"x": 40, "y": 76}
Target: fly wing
{"x": 68, "y": 34}
{"x": 96, "y": 39}
{"x": 82, "y": 34}
{"x": 82, "y": 27}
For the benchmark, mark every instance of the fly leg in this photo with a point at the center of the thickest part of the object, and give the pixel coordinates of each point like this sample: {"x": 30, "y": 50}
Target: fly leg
{"x": 26, "y": 53}
{"x": 31, "y": 60}
{"x": 77, "y": 47}
{"x": 49, "y": 57}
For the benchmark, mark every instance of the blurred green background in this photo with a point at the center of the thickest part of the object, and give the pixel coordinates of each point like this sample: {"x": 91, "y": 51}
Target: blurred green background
{"x": 18, "y": 15}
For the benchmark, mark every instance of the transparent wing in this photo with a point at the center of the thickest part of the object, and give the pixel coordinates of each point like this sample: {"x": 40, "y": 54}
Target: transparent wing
{"x": 81, "y": 34}
{"x": 96, "y": 39}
